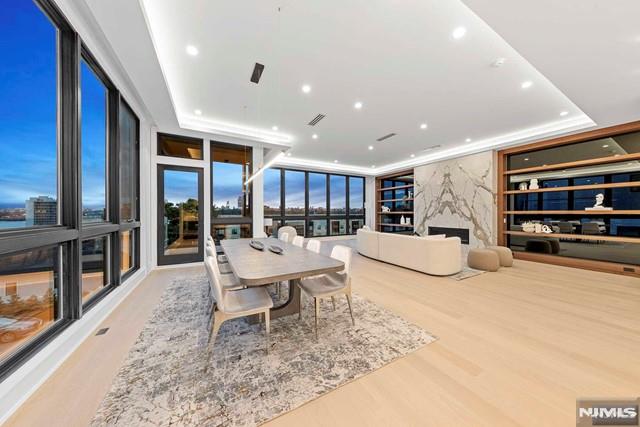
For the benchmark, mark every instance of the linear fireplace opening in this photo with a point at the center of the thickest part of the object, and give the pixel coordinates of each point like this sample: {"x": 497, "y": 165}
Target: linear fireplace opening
{"x": 462, "y": 233}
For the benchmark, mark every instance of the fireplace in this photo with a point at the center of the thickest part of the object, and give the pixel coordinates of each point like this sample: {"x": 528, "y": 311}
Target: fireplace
{"x": 462, "y": 233}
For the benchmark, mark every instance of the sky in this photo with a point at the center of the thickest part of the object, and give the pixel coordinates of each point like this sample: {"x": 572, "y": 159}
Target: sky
{"x": 28, "y": 111}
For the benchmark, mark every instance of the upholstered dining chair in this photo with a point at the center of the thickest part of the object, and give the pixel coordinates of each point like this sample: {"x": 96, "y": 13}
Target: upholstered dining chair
{"x": 289, "y": 230}
{"x": 283, "y": 237}
{"x": 222, "y": 258}
{"x": 210, "y": 250}
{"x": 314, "y": 245}
{"x": 229, "y": 281}
{"x": 298, "y": 241}
{"x": 235, "y": 304}
{"x": 329, "y": 285}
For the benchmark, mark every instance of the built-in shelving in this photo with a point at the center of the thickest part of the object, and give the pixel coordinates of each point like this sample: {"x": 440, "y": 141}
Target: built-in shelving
{"x": 583, "y": 212}
{"x": 592, "y": 237}
{"x": 577, "y": 187}
{"x": 398, "y": 189}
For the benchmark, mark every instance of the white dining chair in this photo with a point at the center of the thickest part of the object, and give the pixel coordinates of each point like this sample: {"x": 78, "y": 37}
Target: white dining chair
{"x": 329, "y": 285}
{"x": 291, "y": 231}
{"x": 314, "y": 245}
{"x": 225, "y": 268}
{"x": 298, "y": 241}
{"x": 229, "y": 281}
{"x": 235, "y": 304}
{"x": 284, "y": 237}
{"x": 222, "y": 258}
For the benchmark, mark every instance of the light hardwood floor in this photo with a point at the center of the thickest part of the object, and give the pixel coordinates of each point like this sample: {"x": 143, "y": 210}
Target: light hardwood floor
{"x": 515, "y": 347}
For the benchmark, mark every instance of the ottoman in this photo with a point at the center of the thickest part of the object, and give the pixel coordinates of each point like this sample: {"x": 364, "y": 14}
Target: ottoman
{"x": 504, "y": 254}
{"x": 483, "y": 259}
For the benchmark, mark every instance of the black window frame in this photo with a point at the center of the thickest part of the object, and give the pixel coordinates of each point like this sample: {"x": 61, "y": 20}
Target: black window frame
{"x": 285, "y": 219}
{"x": 70, "y": 232}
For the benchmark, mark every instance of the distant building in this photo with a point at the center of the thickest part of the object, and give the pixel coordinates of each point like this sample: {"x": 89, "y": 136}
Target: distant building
{"x": 41, "y": 210}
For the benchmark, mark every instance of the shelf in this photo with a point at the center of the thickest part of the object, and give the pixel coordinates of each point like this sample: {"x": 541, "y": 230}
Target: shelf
{"x": 396, "y": 225}
{"x": 602, "y": 212}
{"x": 575, "y": 236}
{"x": 396, "y": 213}
{"x": 577, "y": 187}
{"x": 396, "y": 200}
{"x": 578, "y": 163}
{"x": 400, "y": 187}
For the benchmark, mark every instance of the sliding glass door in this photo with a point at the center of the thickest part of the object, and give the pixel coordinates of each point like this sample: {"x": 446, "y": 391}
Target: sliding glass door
{"x": 180, "y": 219}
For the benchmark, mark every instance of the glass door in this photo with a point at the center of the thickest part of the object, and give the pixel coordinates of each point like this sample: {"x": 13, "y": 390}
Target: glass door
{"x": 180, "y": 215}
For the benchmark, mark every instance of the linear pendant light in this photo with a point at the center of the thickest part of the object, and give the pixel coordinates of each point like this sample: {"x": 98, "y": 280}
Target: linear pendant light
{"x": 273, "y": 157}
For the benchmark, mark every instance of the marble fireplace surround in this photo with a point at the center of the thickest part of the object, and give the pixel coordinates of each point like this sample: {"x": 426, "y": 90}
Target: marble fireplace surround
{"x": 458, "y": 193}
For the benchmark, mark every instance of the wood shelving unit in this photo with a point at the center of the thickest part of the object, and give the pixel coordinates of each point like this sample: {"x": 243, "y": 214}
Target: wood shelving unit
{"x": 402, "y": 183}
{"x": 509, "y": 205}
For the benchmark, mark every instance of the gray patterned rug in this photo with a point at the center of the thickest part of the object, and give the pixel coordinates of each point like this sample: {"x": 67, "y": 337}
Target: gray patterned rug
{"x": 170, "y": 377}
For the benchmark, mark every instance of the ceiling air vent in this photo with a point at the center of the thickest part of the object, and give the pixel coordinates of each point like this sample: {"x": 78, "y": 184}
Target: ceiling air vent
{"x": 433, "y": 147}
{"x": 257, "y": 73}
{"x": 382, "y": 138}
{"x": 316, "y": 119}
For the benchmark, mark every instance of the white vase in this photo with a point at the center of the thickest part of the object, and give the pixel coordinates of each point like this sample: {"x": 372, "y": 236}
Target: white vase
{"x": 402, "y": 220}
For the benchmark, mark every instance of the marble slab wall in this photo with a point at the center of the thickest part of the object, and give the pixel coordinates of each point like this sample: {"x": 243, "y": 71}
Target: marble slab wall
{"x": 458, "y": 193}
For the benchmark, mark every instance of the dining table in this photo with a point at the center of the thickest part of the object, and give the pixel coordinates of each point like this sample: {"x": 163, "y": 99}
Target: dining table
{"x": 254, "y": 267}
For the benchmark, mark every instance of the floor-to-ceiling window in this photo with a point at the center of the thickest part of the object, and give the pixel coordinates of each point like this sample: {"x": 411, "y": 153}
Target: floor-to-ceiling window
{"x": 63, "y": 241}
{"x": 314, "y": 203}
{"x": 230, "y": 195}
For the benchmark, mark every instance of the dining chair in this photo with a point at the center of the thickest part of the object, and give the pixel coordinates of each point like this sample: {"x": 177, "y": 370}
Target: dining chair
{"x": 284, "y": 237}
{"x": 314, "y": 245}
{"x": 225, "y": 268}
{"x": 229, "y": 281}
{"x": 298, "y": 241}
{"x": 329, "y": 285}
{"x": 234, "y": 304}
{"x": 222, "y": 258}
{"x": 291, "y": 231}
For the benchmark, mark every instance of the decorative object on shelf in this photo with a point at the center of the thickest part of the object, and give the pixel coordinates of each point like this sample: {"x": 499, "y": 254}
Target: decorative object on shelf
{"x": 599, "y": 205}
{"x": 407, "y": 220}
{"x": 402, "y": 220}
{"x": 522, "y": 186}
{"x": 546, "y": 229}
{"x": 528, "y": 227}
{"x": 537, "y": 227}
{"x": 410, "y": 194}
{"x": 533, "y": 185}
{"x": 386, "y": 209}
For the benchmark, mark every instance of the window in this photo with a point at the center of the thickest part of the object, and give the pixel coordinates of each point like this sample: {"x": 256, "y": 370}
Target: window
{"x": 28, "y": 129}
{"x": 128, "y": 164}
{"x": 338, "y": 191}
{"x": 94, "y": 145}
{"x": 94, "y": 266}
{"x": 50, "y": 84}
{"x": 231, "y": 197}
{"x": 29, "y": 296}
{"x": 294, "y": 188}
{"x": 317, "y": 194}
{"x": 314, "y": 189}
{"x": 179, "y": 146}
{"x": 272, "y": 192}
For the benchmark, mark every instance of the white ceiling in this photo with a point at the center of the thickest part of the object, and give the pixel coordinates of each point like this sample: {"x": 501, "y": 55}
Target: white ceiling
{"x": 399, "y": 59}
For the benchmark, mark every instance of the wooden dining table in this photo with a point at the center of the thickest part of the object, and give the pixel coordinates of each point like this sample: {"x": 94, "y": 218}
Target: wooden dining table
{"x": 253, "y": 267}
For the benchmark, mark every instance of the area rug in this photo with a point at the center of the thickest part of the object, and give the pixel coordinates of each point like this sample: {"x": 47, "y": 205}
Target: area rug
{"x": 466, "y": 273}
{"x": 173, "y": 377}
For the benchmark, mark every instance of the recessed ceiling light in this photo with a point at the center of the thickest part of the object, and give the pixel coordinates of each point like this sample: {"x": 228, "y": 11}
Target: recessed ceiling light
{"x": 335, "y": 161}
{"x": 306, "y": 88}
{"x": 526, "y": 159}
{"x": 423, "y": 126}
{"x": 605, "y": 146}
{"x": 467, "y": 140}
{"x": 314, "y": 136}
{"x": 412, "y": 156}
{"x": 371, "y": 147}
{"x": 459, "y": 33}
{"x": 563, "y": 113}
{"x": 289, "y": 154}
{"x": 527, "y": 84}
{"x": 373, "y": 166}
{"x": 198, "y": 112}
{"x": 616, "y": 155}
{"x": 357, "y": 105}
{"x": 275, "y": 128}
{"x": 192, "y": 50}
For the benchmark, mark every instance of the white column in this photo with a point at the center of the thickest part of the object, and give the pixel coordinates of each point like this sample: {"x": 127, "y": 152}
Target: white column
{"x": 370, "y": 201}
{"x": 258, "y": 191}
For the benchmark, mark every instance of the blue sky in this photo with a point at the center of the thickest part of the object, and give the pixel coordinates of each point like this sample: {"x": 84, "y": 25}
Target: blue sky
{"x": 28, "y": 111}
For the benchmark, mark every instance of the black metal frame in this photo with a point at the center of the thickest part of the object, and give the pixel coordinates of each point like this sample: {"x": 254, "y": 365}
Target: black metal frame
{"x": 70, "y": 232}
{"x": 283, "y": 218}
{"x": 180, "y": 259}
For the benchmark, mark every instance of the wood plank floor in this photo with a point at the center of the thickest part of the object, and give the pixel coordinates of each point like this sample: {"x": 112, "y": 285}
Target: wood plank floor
{"x": 516, "y": 347}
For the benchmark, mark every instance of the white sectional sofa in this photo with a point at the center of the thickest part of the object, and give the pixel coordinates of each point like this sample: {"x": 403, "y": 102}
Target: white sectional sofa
{"x": 436, "y": 255}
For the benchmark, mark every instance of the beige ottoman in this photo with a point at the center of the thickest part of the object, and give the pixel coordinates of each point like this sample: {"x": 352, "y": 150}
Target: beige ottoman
{"x": 483, "y": 259}
{"x": 504, "y": 254}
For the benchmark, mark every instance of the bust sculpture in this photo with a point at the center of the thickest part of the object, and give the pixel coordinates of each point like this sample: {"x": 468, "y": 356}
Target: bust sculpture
{"x": 599, "y": 201}
{"x": 533, "y": 185}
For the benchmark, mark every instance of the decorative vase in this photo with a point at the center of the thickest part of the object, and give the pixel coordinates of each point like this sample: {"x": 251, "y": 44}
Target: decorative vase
{"x": 522, "y": 186}
{"x": 402, "y": 220}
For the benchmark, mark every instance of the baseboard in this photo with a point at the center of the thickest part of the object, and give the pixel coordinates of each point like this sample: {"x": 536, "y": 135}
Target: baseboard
{"x": 17, "y": 388}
